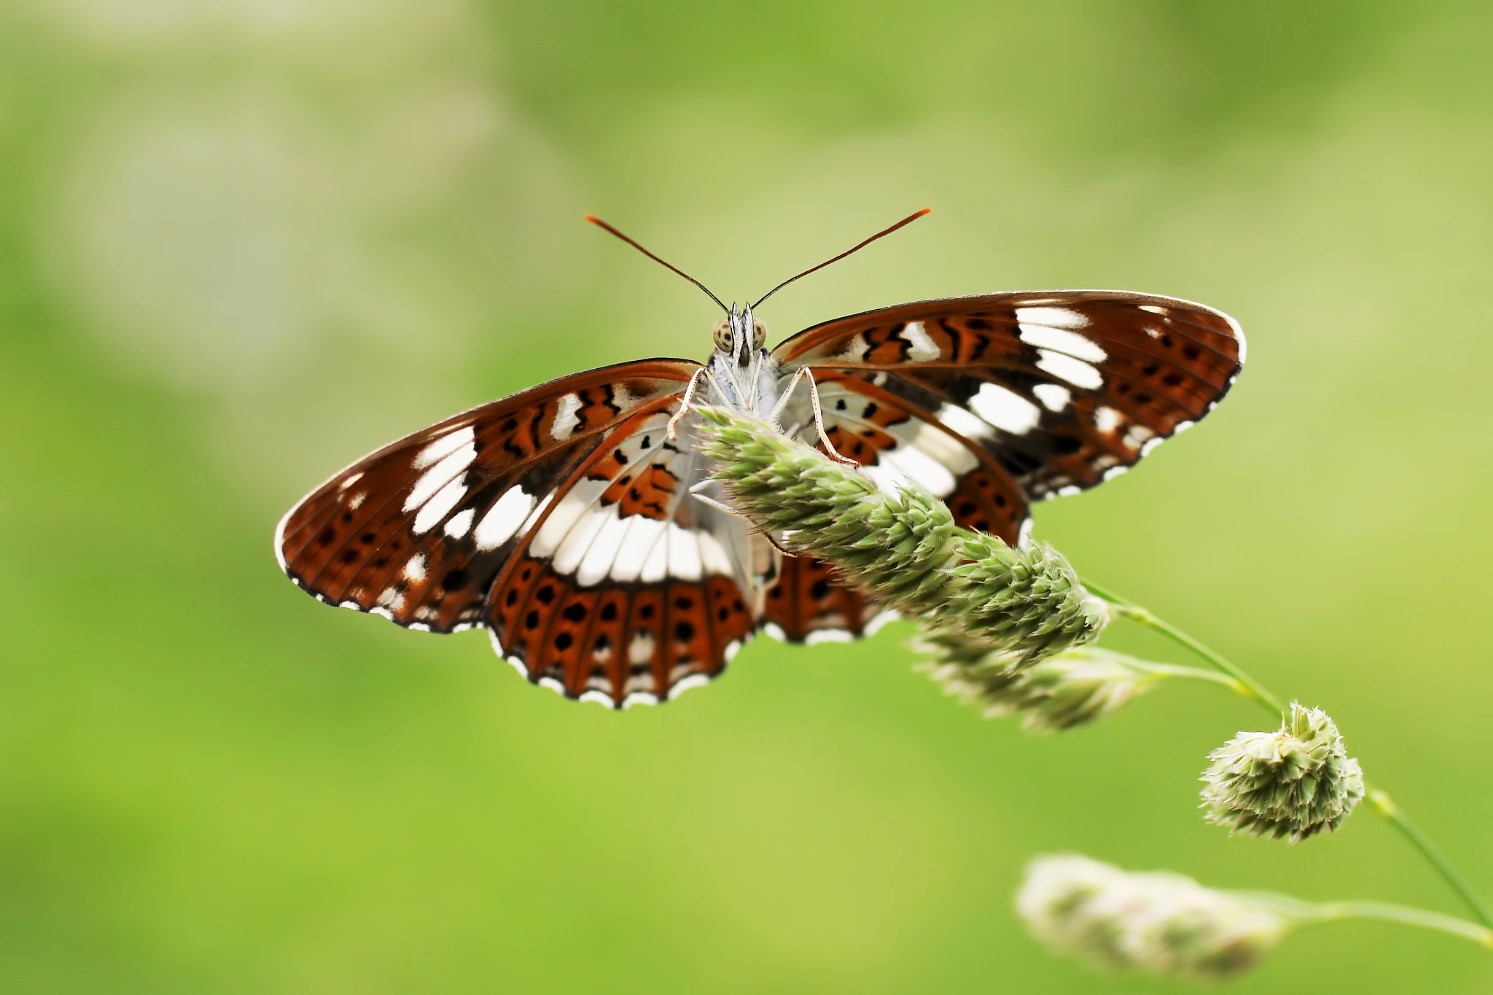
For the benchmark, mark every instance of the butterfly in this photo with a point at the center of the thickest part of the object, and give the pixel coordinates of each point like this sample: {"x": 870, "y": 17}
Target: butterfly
{"x": 569, "y": 519}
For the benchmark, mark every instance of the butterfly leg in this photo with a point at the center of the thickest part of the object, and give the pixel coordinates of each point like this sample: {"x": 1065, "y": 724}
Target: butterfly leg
{"x": 804, "y": 374}
{"x": 689, "y": 393}
{"x": 697, "y": 491}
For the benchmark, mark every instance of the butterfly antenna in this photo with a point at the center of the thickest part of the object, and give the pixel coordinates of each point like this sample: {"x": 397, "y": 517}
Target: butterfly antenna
{"x": 662, "y": 262}
{"x": 855, "y": 248}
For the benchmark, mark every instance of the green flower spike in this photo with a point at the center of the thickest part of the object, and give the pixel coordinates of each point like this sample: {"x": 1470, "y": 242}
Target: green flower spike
{"x": 1295, "y": 782}
{"x": 1158, "y": 922}
{"x": 1068, "y": 689}
{"x": 983, "y": 601}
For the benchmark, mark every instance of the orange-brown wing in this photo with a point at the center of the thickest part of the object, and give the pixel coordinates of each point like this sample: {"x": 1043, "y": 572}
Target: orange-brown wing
{"x": 995, "y": 401}
{"x": 627, "y": 589}
{"x": 893, "y": 439}
{"x": 810, "y": 603}
{"x": 1063, "y": 388}
{"x": 418, "y": 531}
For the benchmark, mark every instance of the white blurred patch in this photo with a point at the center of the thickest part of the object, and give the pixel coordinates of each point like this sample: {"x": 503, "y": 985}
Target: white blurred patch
{"x": 1072, "y": 343}
{"x": 920, "y": 347}
{"x": 439, "y": 506}
{"x": 444, "y": 445}
{"x": 1054, "y": 397}
{"x": 459, "y": 524}
{"x": 1052, "y": 317}
{"x": 507, "y": 514}
{"x": 939, "y": 445}
{"x": 447, "y": 469}
{"x": 414, "y": 568}
{"x": 566, "y": 417}
{"x": 964, "y": 423}
{"x": 904, "y": 463}
{"x": 1005, "y": 409}
{"x": 1065, "y": 367}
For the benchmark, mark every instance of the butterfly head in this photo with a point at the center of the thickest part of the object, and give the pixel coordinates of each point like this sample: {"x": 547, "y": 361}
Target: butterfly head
{"x": 739, "y": 337}
{"x": 740, "y": 366}
{"x": 742, "y": 371}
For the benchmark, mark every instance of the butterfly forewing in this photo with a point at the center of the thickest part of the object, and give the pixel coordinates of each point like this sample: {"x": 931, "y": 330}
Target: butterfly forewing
{"x": 1062, "y": 388}
{"x": 990, "y": 402}
{"x": 418, "y": 531}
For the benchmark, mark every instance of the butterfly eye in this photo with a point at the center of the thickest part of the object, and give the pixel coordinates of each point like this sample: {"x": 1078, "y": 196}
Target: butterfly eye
{"x": 723, "y": 336}
{"x": 759, "y": 334}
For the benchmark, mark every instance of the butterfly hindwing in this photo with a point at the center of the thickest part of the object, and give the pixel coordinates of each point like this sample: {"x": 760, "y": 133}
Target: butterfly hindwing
{"x": 619, "y": 644}
{"x": 893, "y": 440}
{"x": 1063, "y": 388}
{"x": 417, "y": 531}
{"x": 810, "y": 603}
{"x": 628, "y": 589}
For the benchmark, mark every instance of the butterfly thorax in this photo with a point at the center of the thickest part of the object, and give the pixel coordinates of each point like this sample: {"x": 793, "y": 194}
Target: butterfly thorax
{"x": 743, "y": 373}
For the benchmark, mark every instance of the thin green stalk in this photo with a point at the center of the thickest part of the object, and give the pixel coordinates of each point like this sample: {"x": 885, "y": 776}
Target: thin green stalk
{"x": 1411, "y": 917}
{"x": 1253, "y": 689}
{"x": 1194, "y": 674}
{"x": 1386, "y": 807}
{"x": 1130, "y": 609}
{"x": 1313, "y": 913}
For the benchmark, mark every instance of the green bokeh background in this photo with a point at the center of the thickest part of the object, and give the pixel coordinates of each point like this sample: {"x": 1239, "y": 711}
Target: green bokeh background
{"x": 244, "y": 241}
